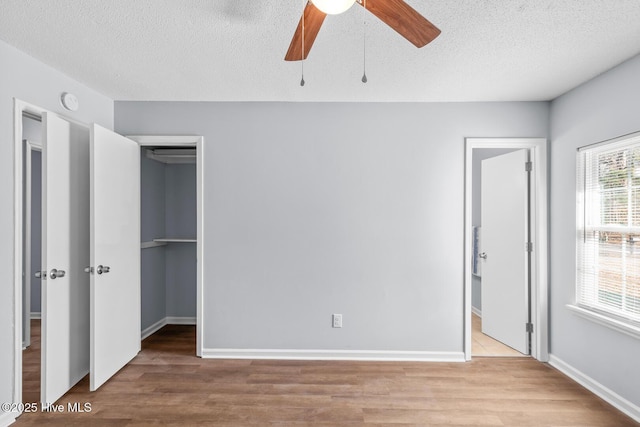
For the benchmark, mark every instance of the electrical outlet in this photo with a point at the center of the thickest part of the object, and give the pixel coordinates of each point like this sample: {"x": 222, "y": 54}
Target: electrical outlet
{"x": 337, "y": 320}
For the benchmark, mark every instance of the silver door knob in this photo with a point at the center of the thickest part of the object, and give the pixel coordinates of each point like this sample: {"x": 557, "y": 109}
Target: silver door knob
{"x": 102, "y": 269}
{"x": 54, "y": 274}
{"x": 38, "y": 274}
{"x": 483, "y": 255}
{"x": 88, "y": 270}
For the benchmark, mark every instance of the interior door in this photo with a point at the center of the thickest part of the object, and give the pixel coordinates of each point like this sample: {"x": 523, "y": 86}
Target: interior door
{"x": 505, "y": 231}
{"x": 115, "y": 253}
{"x": 65, "y": 247}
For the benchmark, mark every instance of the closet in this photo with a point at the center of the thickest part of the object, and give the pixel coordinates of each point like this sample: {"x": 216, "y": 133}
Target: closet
{"x": 168, "y": 236}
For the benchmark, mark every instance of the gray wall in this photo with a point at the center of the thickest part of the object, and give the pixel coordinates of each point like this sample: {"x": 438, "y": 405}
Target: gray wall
{"x": 321, "y": 208}
{"x": 36, "y": 229}
{"x": 152, "y": 226}
{"x": 180, "y": 222}
{"x": 180, "y": 204}
{"x": 603, "y": 108}
{"x": 479, "y": 154}
{"x": 180, "y": 274}
{"x": 25, "y": 78}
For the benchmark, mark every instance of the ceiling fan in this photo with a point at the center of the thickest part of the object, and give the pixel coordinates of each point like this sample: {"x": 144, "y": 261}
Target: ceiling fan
{"x": 395, "y": 13}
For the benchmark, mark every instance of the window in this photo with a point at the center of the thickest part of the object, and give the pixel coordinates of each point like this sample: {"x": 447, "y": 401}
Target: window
{"x": 608, "y": 221}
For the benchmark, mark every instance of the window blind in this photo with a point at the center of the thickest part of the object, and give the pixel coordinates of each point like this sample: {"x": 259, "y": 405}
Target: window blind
{"x": 608, "y": 228}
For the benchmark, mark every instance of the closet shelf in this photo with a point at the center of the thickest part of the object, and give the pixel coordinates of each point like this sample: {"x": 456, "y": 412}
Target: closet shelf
{"x": 163, "y": 242}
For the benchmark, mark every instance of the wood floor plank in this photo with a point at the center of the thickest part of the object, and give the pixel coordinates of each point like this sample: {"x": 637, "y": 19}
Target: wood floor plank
{"x": 166, "y": 385}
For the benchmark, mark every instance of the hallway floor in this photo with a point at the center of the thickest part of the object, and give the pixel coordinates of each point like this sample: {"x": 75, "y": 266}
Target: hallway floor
{"x": 484, "y": 345}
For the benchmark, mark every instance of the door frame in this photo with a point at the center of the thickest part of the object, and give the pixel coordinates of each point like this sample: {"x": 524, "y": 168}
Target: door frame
{"x": 21, "y": 108}
{"x": 196, "y": 141}
{"x": 29, "y": 148}
{"x": 538, "y": 196}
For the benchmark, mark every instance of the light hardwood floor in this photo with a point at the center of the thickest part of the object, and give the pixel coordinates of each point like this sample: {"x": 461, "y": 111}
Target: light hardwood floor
{"x": 484, "y": 345}
{"x": 167, "y": 385}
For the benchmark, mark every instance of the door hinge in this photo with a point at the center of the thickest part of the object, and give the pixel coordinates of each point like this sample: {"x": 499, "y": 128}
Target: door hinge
{"x": 528, "y": 246}
{"x": 529, "y": 327}
{"x": 528, "y": 166}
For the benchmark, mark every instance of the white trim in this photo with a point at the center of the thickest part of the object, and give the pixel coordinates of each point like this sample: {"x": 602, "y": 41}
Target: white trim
{"x": 476, "y": 311}
{"x": 36, "y": 315}
{"x": 608, "y": 321}
{"x": 595, "y": 387}
{"x": 619, "y": 142}
{"x": 539, "y": 230}
{"x": 18, "y": 108}
{"x": 363, "y": 355}
{"x": 198, "y": 142}
{"x": 171, "y": 320}
{"x": 7, "y": 418}
{"x": 168, "y": 140}
{"x": 147, "y": 332}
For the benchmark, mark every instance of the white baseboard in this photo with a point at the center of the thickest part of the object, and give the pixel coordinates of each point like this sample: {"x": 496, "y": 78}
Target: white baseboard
{"x": 476, "y": 311}
{"x": 595, "y": 387}
{"x": 363, "y": 355}
{"x": 7, "y": 418}
{"x": 36, "y": 315}
{"x": 146, "y": 332}
{"x": 166, "y": 321}
{"x": 181, "y": 320}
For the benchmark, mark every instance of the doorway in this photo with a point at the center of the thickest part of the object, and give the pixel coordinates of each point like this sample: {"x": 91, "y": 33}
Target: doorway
{"x": 536, "y": 149}
{"x": 31, "y": 326}
{"x": 500, "y": 214}
{"x": 175, "y": 242}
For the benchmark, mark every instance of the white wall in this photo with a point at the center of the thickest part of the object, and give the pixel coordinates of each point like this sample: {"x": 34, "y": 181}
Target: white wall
{"x": 29, "y": 80}
{"x": 321, "y": 208}
{"x": 603, "y": 108}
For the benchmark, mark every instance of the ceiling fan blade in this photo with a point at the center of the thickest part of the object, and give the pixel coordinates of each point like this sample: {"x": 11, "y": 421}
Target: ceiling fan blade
{"x": 404, "y": 19}
{"x": 313, "y": 19}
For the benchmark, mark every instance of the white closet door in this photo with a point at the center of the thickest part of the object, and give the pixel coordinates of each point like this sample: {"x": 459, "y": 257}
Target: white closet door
{"x": 115, "y": 253}
{"x": 65, "y": 245}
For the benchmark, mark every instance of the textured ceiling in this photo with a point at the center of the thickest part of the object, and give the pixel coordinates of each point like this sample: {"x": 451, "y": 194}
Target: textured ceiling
{"x": 232, "y": 50}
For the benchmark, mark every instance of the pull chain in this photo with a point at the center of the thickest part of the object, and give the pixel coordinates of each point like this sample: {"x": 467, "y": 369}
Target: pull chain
{"x": 364, "y": 42}
{"x": 302, "y": 60}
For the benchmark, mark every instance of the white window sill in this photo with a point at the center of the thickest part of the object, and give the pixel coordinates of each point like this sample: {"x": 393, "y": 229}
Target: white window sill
{"x": 607, "y": 321}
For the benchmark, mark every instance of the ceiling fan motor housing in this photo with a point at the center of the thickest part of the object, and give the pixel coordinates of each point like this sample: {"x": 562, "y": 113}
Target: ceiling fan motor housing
{"x": 333, "y": 7}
